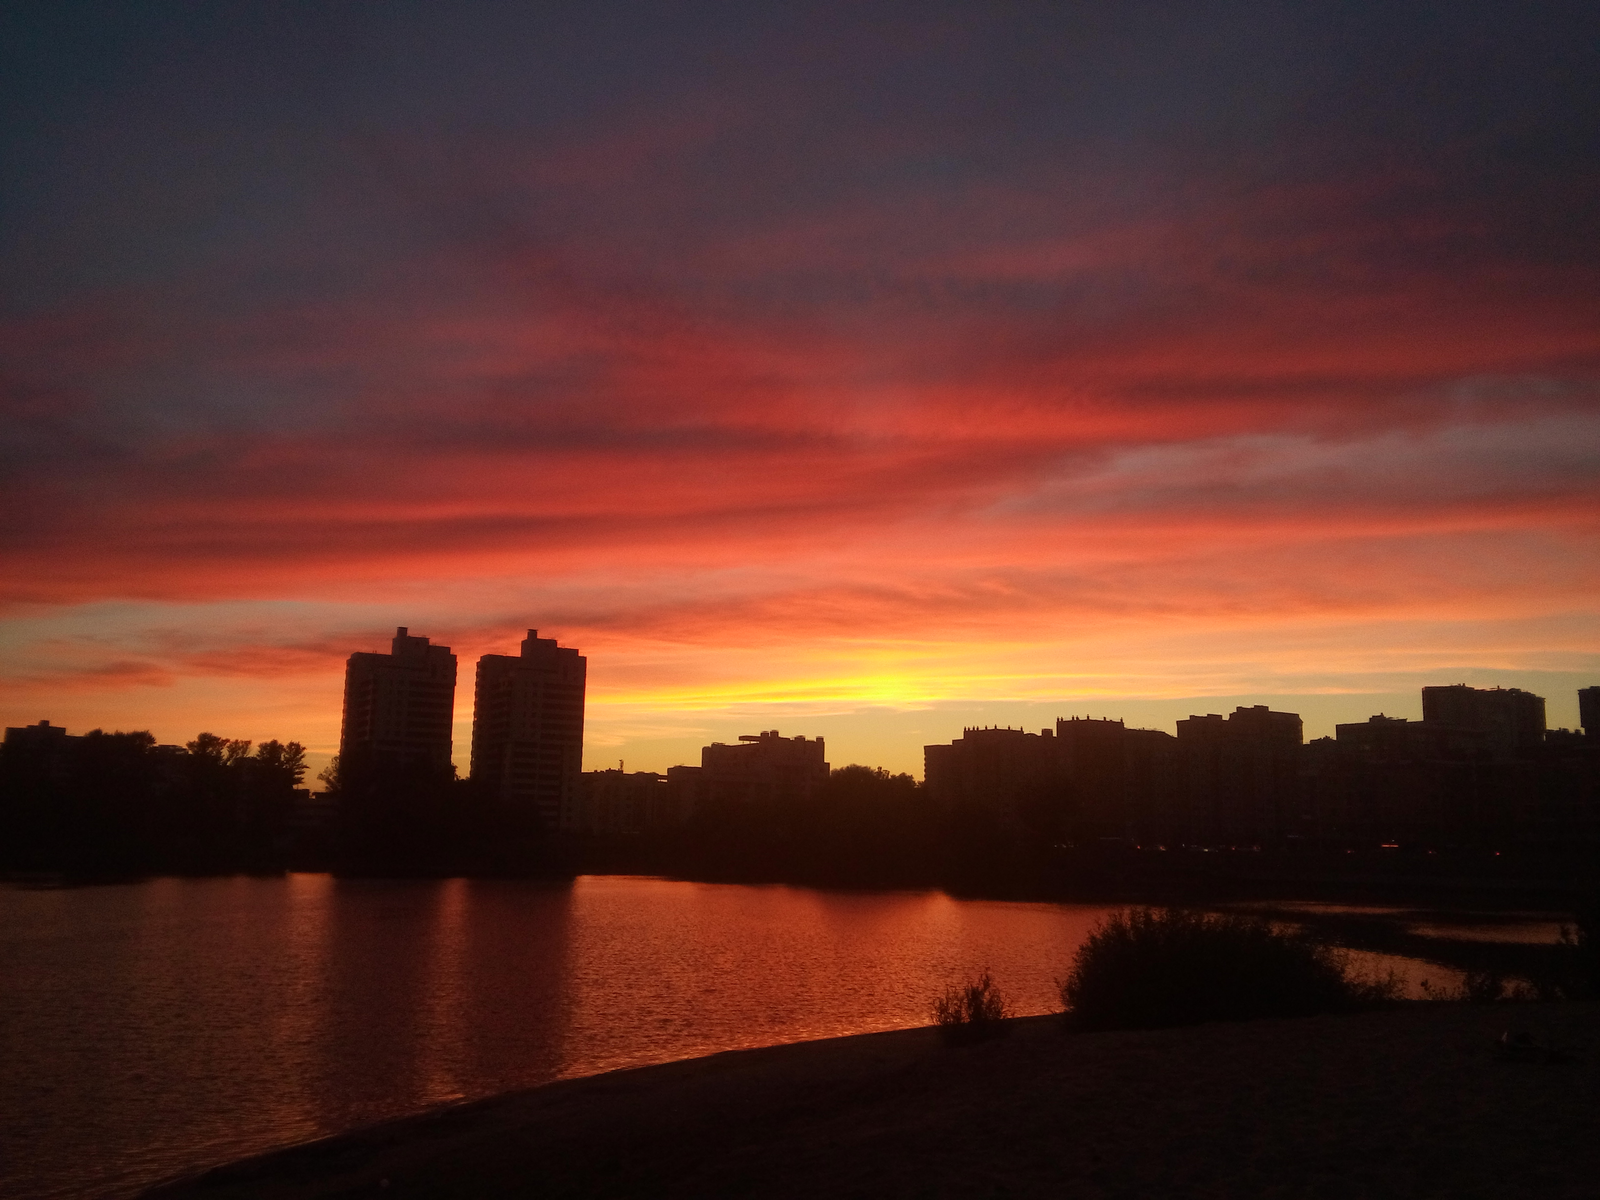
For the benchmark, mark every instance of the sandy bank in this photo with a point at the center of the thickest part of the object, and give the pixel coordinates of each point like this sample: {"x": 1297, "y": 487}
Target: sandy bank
{"x": 1409, "y": 1102}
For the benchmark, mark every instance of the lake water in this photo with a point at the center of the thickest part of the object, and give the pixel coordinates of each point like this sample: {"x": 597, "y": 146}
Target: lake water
{"x": 165, "y": 1026}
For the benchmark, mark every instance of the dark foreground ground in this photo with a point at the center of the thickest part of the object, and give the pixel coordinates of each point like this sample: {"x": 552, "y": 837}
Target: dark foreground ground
{"x": 1413, "y": 1101}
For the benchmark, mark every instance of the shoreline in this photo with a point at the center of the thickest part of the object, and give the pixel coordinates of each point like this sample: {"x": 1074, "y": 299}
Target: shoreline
{"x": 1376, "y": 926}
{"x": 1444, "y": 893}
{"x": 1415, "y": 1099}
{"x": 1462, "y": 895}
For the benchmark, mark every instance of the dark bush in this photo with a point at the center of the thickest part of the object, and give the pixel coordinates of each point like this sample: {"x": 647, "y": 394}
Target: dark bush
{"x": 1148, "y": 968}
{"x": 1484, "y": 987}
{"x": 1581, "y": 948}
{"x": 971, "y": 1012}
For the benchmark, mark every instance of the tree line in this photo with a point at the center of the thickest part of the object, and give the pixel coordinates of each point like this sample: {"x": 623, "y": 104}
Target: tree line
{"x": 117, "y": 803}
{"x": 111, "y": 804}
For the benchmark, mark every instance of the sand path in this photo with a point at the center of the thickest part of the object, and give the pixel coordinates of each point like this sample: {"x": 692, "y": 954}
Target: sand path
{"x": 1407, "y": 1102}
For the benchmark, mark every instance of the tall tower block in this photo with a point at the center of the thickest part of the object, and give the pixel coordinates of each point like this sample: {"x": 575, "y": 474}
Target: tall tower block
{"x": 1512, "y": 718}
{"x": 1589, "y": 711}
{"x": 398, "y": 709}
{"x": 527, "y": 728}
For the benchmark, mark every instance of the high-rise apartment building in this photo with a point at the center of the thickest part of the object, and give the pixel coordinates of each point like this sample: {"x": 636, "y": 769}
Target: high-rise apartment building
{"x": 763, "y": 768}
{"x": 992, "y": 766}
{"x": 618, "y": 801}
{"x": 1589, "y": 711}
{"x": 527, "y": 728}
{"x": 398, "y": 709}
{"x": 1240, "y": 775}
{"x": 1257, "y": 725}
{"x": 1512, "y": 718}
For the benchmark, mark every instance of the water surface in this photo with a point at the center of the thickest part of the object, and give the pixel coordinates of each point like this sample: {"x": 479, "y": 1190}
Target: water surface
{"x": 160, "y": 1027}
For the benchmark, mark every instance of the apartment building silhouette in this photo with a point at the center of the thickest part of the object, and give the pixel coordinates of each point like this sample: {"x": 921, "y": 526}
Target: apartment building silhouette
{"x": 763, "y": 768}
{"x": 1512, "y": 719}
{"x": 398, "y": 710}
{"x": 527, "y": 729}
{"x": 1479, "y": 770}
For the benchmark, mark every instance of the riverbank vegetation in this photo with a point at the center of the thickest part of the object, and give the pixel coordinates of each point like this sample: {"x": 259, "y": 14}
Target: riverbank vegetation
{"x": 1145, "y": 968}
{"x": 971, "y": 1012}
{"x": 117, "y": 803}
{"x": 1148, "y": 968}
{"x": 868, "y": 828}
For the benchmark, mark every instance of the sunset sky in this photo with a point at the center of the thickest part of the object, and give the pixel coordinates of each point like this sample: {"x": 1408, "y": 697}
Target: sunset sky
{"x": 860, "y": 370}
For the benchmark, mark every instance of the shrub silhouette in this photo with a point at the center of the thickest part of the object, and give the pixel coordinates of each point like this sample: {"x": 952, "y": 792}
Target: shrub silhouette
{"x": 971, "y": 1012}
{"x": 1481, "y": 986}
{"x": 1581, "y": 950}
{"x": 1147, "y": 968}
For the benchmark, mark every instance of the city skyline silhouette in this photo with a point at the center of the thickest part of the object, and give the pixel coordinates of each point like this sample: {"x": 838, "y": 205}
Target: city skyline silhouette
{"x": 946, "y": 598}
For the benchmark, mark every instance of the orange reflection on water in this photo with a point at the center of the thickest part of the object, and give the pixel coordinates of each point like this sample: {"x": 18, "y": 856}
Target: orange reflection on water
{"x": 159, "y": 1027}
